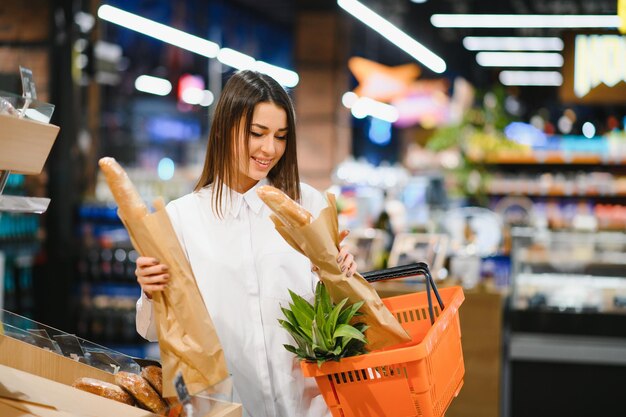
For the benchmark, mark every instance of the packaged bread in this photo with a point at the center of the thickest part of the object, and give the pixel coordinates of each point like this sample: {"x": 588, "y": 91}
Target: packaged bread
{"x": 141, "y": 391}
{"x": 288, "y": 211}
{"x": 129, "y": 201}
{"x": 104, "y": 389}
{"x": 154, "y": 376}
{"x": 318, "y": 239}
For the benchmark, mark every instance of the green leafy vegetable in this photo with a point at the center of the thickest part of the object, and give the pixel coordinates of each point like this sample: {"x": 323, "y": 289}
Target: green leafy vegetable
{"x": 322, "y": 331}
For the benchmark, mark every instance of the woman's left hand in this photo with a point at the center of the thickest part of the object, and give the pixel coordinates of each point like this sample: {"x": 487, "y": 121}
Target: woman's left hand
{"x": 345, "y": 259}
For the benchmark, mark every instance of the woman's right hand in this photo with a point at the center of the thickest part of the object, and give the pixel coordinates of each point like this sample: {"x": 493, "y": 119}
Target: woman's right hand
{"x": 151, "y": 275}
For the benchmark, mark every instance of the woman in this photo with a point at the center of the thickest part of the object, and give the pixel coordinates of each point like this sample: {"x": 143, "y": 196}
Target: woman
{"x": 243, "y": 267}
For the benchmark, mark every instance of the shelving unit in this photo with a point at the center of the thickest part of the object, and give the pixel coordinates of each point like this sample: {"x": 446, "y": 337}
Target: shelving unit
{"x": 567, "y": 317}
{"x": 25, "y": 145}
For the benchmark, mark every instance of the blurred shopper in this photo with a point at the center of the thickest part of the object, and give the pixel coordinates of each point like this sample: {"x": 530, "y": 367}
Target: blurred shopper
{"x": 243, "y": 267}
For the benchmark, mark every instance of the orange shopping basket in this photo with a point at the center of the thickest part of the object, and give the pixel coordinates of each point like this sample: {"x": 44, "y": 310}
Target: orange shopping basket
{"x": 416, "y": 379}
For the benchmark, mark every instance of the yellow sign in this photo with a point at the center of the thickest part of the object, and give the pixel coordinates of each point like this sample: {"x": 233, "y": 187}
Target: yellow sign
{"x": 599, "y": 59}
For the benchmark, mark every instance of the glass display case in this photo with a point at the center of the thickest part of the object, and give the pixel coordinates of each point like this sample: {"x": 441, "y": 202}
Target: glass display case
{"x": 68, "y": 345}
{"x": 569, "y": 282}
{"x": 566, "y": 321}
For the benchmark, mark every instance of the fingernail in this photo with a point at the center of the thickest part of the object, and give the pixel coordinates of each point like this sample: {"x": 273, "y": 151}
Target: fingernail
{"x": 164, "y": 268}
{"x": 155, "y": 261}
{"x": 339, "y": 259}
{"x": 343, "y": 268}
{"x": 166, "y": 276}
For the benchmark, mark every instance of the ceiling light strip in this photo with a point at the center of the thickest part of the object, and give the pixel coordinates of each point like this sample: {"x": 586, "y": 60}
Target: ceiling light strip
{"x": 519, "y": 59}
{"x": 512, "y": 43}
{"x": 531, "y": 78}
{"x": 153, "y": 85}
{"x": 194, "y": 44}
{"x": 394, "y": 35}
{"x": 524, "y": 21}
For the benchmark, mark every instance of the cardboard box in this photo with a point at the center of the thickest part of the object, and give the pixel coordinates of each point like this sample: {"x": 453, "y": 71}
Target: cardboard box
{"x": 29, "y": 373}
{"x": 25, "y": 144}
{"x": 25, "y": 387}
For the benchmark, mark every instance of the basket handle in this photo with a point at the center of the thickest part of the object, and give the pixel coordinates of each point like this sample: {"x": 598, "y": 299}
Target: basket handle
{"x": 405, "y": 271}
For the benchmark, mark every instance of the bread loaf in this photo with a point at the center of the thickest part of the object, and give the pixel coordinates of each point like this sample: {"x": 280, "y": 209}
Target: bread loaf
{"x": 141, "y": 391}
{"x": 288, "y": 211}
{"x": 154, "y": 376}
{"x": 123, "y": 190}
{"x": 103, "y": 389}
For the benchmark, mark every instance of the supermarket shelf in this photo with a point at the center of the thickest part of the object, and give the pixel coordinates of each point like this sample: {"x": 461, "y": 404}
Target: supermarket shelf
{"x": 557, "y": 193}
{"x": 565, "y": 348}
{"x": 550, "y": 157}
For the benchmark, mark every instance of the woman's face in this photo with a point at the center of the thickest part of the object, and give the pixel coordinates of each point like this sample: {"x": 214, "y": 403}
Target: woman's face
{"x": 267, "y": 143}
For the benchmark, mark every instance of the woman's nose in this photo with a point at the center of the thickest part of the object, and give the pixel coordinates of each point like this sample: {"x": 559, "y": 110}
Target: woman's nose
{"x": 268, "y": 145}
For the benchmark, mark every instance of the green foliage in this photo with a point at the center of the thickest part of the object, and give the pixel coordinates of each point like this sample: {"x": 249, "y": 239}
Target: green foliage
{"x": 322, "y": 331}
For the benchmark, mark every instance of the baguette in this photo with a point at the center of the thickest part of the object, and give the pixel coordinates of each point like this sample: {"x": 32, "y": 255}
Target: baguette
{"x": 123, "y": 190}
{"x": 143, "y": 393}
{"x": 288, "y": 211}
{"x": 103, "y": 389}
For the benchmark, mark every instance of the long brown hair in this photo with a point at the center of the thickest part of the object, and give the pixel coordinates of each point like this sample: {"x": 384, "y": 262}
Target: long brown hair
{"x": 243, "y": 91}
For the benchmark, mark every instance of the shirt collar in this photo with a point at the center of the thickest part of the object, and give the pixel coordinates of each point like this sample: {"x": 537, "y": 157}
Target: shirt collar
{"x": 251, "y": 198}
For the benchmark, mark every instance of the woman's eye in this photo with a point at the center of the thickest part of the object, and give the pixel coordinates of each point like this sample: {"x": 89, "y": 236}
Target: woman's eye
{"x": 281, "y": 137}
{"x": 256, "y": 134}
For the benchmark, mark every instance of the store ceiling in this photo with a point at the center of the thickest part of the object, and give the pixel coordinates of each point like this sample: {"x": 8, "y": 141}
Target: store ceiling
{"x": 414, "y": 18}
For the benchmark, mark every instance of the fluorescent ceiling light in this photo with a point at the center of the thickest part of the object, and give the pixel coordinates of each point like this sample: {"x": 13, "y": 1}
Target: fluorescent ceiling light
{"x": 503, "y": 43}
{"x": 195, "y": 44}
{"x": 159, "y": 31}
{"x": 365, "y": 106}
{"x": 192, "y": 95}
{"x": 348, "y": 99}
{"x": 153, "y": 85}
{"x": 529, "y": 78}
{"x": 235, "y": 59}
{"x": 284, "y": 76}
{"x": 394, "y": 35}
{"x": 519, "y": 59}
{"x": 524, "y": 21}
{"x": 207, "y": 98}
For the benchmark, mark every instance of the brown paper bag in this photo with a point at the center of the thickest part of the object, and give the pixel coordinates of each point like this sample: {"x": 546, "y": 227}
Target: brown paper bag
{"x": 188, "y": 341}
{"x": 187, "y": 338}
{"x": 319, "y": 241}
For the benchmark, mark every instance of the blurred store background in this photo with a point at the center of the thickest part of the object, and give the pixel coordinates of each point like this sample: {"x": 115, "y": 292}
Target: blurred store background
{"x": 486, "y": 138}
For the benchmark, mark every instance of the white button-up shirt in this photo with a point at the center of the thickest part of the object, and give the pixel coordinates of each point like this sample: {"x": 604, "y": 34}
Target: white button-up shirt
{"x": 244, "y": 269}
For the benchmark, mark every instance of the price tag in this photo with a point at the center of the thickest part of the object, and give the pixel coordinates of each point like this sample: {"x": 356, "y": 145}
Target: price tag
{"x": 28, "y": 84}
{"x": 181, "y": 389}
{"x": 103, "y": 361}
{"x": 41, "y": 338}
{"x": 183, "y": 394}
{"x": 39, "y": 332}
{"x": 70, "y": 346}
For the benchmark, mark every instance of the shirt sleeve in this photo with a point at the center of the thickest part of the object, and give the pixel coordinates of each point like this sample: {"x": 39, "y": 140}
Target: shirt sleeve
{"x": 144, "y": 320}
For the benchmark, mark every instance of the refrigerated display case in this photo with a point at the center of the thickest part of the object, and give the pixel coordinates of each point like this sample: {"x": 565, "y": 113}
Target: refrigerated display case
{"x": 566, "y": 325}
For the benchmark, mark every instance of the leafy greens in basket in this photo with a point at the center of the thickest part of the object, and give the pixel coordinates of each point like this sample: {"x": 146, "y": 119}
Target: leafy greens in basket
{"x": 323, "y": 331}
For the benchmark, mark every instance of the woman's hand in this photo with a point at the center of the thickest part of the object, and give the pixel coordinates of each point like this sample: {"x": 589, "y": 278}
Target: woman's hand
{"x": 151, "y": 275}
{"x": 345, "y": 260}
